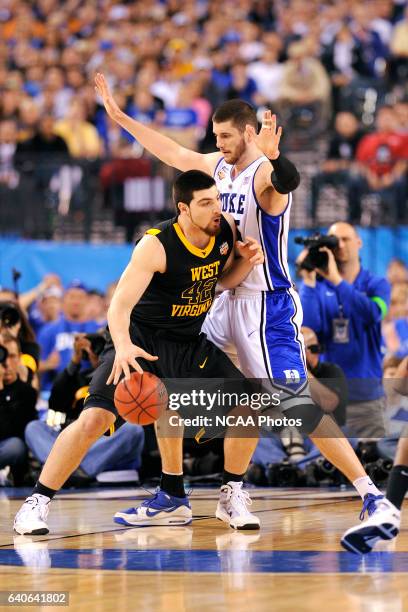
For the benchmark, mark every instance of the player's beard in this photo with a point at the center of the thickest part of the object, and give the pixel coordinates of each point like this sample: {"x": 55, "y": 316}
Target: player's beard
{"x": 239, "y": 151}
{"x": 207, "y": 229}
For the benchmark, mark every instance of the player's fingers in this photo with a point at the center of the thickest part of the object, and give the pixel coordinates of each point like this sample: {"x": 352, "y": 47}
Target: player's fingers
{"x": 279, "y": 134}
{"x": 273, "y": 123}
{"x": 112, "y": 374}
{"x": 137, "y": 366}
{"x": 124, "y": 366}
{"x": 148, "y": 356}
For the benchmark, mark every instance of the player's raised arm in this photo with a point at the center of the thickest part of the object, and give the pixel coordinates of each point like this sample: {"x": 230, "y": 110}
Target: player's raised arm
{"x": 166, "y": 149}
{"x": 273, "y": 181}
{"x": 148, "y": 257}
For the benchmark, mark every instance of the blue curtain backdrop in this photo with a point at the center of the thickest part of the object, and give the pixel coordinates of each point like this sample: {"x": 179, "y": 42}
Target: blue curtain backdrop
{"x": 99, "y": 265}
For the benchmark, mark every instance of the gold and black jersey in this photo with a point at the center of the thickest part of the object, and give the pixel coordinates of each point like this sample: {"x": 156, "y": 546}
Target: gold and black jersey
{"x": 179, "y": 298}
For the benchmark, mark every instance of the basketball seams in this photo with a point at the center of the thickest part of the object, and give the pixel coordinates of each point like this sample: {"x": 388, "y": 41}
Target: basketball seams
{"x": 142, "y": 410}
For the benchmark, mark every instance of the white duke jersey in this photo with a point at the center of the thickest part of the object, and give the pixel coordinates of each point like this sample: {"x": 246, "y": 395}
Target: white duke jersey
{"x": 238, "y": 198}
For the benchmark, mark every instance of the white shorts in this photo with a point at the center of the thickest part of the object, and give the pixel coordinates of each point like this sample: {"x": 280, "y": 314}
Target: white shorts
{"x": 260, "y": 332}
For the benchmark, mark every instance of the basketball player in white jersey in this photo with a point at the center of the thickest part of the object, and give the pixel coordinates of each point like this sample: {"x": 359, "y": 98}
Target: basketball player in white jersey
{"x": 261, "y": 319}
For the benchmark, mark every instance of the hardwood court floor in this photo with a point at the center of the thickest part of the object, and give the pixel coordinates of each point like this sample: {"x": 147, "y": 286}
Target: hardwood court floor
{"x": 295, "y": 562}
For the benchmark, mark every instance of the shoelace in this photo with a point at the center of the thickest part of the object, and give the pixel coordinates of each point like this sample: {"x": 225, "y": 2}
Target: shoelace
{"x": 369, "y": 505}
{"x": 241, "y": 495}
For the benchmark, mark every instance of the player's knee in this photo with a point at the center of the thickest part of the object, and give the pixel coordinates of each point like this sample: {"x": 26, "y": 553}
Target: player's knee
{"x": 95, "y": 421}
{"x": 307, "y": 417}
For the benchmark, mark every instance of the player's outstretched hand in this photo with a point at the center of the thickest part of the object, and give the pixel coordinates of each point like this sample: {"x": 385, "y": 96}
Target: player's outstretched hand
{"x": 251, "y": 250}
{"x": 269, "y": 137}
{"x": 125, "y": 359}
{"x": 109, "y": 102}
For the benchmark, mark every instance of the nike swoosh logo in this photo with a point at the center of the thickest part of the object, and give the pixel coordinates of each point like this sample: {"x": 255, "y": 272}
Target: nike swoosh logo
{"x": 404, "y": 473}
{"x": 155, "y": 512}
{"x": 203, "y": 364}
{"x": 252, "y": 332}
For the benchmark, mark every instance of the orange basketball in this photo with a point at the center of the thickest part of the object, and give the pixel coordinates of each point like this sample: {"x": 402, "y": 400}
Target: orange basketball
{"x": 141, "y": 399}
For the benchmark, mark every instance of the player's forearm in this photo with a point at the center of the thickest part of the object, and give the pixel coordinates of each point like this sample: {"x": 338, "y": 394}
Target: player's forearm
{"x": 237, "y": 273}
{"x": 162, "y": 147}
{"x": 118, "y": 321}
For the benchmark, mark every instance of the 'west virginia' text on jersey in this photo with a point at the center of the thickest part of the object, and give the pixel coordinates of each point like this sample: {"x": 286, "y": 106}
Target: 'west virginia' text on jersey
{"x": 179, "y": 298}
{"x": 238, "y": 198}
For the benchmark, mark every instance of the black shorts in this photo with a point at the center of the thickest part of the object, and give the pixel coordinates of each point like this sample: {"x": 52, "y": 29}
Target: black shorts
{"x": 195, "y": 358}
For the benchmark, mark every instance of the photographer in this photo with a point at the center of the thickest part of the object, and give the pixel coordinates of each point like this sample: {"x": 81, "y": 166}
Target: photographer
{"x": 345, "y": 308}
{"x": 14, "y": 322}
{"x": 121, "y": 450}
{"x": 17, "y": 408}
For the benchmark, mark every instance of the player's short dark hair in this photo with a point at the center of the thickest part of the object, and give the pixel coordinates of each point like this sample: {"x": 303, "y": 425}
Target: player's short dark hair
{"x": 239, "y": 112}
{"x": 188, "y": 182}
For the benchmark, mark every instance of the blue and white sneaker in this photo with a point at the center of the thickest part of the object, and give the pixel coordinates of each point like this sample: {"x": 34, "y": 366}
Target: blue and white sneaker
{"x": 383, "y": 524}
{"x": 161, "y": 509}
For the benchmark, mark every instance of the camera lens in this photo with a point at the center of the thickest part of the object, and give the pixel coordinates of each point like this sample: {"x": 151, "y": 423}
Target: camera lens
{"x": 9, "y": 315}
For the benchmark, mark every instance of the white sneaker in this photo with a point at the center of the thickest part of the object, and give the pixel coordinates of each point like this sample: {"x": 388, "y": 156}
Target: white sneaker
{"x": 232, "y": 507}
{"x": 30, "y": 519}
{"x": 383, "y": 524}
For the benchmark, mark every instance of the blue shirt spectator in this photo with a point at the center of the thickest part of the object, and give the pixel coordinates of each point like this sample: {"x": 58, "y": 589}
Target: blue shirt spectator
{"x": 345, "y": 310}
{"x": 56, "y": 339}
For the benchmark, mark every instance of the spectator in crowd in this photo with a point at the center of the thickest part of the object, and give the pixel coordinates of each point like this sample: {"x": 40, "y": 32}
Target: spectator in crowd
{"x": 56, "y": 339}
{"x": 328, "y": 387}
{"x": 396, "y": 410}
{"x": 398, "y": 62}
{"x": 345, "y": 307}
{"x": 242, "y": 85}
{"x": 375, "y": 50}
{"x": 267, "y": 70}
{"x": 44, "y": 142}
{"x": 305, "y": 89}
{"x": 395, "y": 330}
{"x": 27, "y": 299}
{"x": 9, "y": 177}
{"x": 22, "y": 331}
{"x": 117, "y": 451}
{"x": 80, "y": 136}
{"x": 17, "y": 409}
{"x": 337, "y": 169}
{"x": 343, "y": 58}
{"x": 397, "y": 271}
{"x": 383, "y": 157}
{"x": 47, "y": 308}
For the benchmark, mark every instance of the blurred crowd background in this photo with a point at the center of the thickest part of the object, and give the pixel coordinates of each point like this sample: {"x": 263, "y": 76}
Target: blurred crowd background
{"x": 335, "y": 72}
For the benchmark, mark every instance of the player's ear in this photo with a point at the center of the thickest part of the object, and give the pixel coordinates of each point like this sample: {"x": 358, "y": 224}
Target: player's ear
{"x": 182, "y": 207}
{"x": 249, "y": 132}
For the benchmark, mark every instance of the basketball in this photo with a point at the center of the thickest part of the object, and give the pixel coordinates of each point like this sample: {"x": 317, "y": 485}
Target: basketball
{"x": 141, "y": 399}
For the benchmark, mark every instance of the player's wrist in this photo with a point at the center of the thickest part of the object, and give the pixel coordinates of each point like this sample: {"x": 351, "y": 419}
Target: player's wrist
{"x": 285, "y": 176}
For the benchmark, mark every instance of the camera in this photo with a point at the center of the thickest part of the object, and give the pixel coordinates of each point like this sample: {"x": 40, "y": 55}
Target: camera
{"x": 97, "y": 344}
{"x": 285, "y": 474}
{"x": 315, "y": 258}
{"x": 9, "y": 314}
{"x": 378, "y": 471}
{"x": 3, "y": 354}
{"x": 321, "y": 471}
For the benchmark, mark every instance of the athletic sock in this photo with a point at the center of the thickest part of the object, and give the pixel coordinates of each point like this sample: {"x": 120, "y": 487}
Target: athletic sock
{"x": 41, "y": 489}
{"x": 364, "y": 485}
{"x": 173, "y": 484}
{"x": 397, "y": 485}
{"x": 229, "y": 477}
